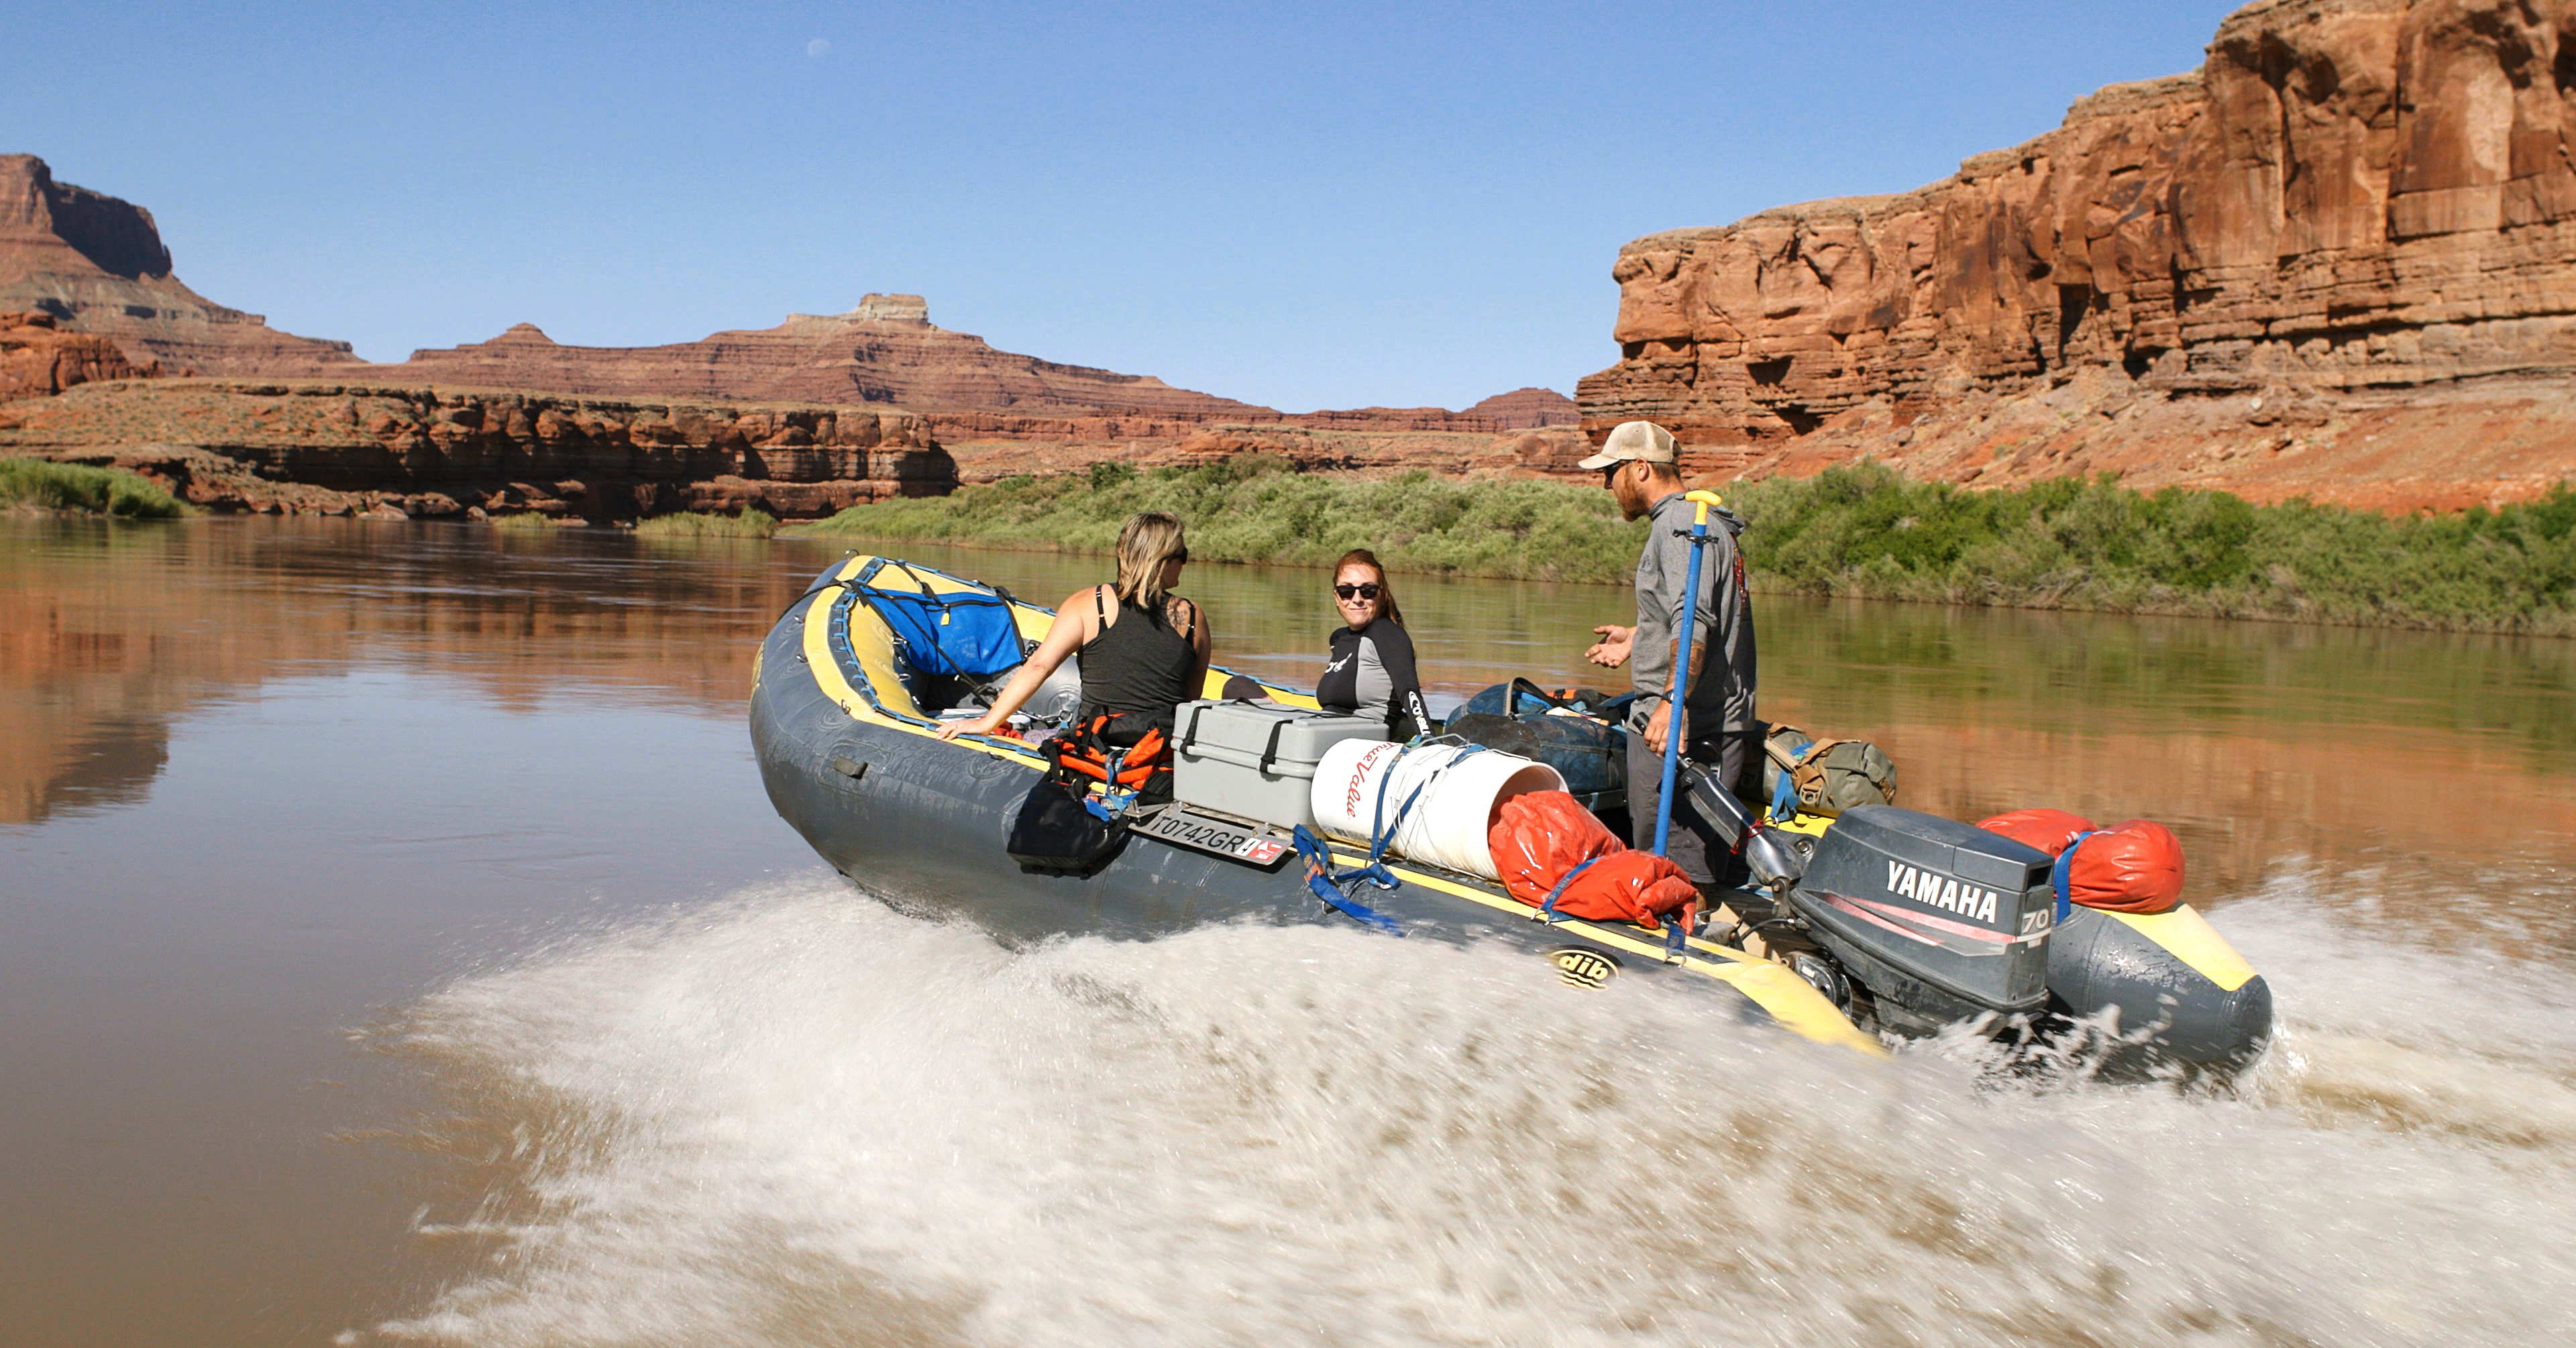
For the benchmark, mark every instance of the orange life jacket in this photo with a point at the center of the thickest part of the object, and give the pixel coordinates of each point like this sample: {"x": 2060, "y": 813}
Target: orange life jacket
{"x": 1085, "y": 751}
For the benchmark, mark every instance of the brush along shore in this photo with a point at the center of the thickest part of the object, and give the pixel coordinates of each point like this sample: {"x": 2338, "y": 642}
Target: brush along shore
{"x": 1856, "y": 532}
{"x": 78, "y": 489}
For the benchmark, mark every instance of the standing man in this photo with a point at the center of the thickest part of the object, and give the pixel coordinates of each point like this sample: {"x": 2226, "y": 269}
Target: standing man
{"x": 1640, "y": 464}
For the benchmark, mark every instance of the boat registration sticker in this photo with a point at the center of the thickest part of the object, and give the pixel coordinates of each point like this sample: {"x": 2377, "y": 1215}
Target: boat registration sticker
{"x": 1583, "y": 967}
{"x": 1183, "y": 829}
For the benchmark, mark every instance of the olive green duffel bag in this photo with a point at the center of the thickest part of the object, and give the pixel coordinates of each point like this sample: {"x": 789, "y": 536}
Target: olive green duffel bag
{"x": 1823, "y": 776}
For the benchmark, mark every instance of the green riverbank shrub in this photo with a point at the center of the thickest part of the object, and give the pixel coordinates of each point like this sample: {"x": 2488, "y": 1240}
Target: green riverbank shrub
{"x": 1256, "y": 508}
{"x": 42, "y": 484}
{"x": 1861, "y": 531}
{"x": 748, "y": 524}
{"x": 1865, "y": 531}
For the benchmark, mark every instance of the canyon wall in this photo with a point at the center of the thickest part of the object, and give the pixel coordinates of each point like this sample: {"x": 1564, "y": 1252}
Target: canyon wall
{"x": 97, "y": 265}
{"x": 2353, "y": 207}
{"x": 346, "y": 448}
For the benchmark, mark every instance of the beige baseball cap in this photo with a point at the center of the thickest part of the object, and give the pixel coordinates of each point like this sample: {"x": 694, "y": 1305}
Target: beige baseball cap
{"x": 1635, "y": 440}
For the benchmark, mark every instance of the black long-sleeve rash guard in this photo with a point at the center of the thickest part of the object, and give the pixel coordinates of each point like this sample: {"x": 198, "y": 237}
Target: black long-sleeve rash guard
{"x": 1372, "y": 674}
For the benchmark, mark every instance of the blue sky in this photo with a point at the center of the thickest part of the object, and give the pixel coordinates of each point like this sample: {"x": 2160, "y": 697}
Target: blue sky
{"x": 1319, "y": 205}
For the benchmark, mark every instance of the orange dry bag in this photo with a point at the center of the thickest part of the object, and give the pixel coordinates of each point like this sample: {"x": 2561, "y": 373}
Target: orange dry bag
{"x": 2047, "y": 830}
{"x": 1544, "y": 842}
{"x": 2135, "y": 867}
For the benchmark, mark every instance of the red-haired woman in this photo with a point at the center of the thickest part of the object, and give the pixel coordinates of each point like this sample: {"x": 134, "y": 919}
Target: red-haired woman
{"x": 1371, "y": 672}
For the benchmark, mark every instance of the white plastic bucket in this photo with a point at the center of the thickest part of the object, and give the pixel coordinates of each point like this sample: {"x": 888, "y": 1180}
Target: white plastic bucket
{"x": 1447, "y": 825}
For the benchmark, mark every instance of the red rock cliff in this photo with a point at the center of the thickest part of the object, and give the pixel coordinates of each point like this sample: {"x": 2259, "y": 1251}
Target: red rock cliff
{"x": 97, "y": 264}
{"x": 2349, "y": 196}
{"x": 37, "y": 358}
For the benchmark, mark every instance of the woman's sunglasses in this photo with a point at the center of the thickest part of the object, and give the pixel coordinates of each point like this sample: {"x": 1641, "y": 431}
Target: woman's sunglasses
{"x": 1367, "y": 591}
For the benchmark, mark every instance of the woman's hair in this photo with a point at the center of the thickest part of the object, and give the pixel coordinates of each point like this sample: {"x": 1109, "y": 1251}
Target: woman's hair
{"x": 1385, "y": 589}
{"x": 1148, "y": 541}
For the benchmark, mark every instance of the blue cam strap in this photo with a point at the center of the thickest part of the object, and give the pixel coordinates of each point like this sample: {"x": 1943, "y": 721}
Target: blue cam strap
{"x": 1382, "y": 830}
{"x": 1784, "y": 799}
{"x": 2058, "y": 874}
{"x": 1320, "y": 879}
{"x": 1676, "y": 931}
{"x": 1547, "y": 909}
{"x": 1112, "y": 803}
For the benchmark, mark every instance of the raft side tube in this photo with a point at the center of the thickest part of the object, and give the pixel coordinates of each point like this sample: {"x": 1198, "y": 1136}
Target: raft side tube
{"x": 2170, "y": 973}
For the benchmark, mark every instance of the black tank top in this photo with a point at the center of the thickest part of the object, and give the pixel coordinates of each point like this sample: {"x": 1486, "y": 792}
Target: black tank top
{"x": 1140, "y": 664}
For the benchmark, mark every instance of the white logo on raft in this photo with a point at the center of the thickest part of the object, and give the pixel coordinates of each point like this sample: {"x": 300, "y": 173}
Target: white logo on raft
{"x": 1938, "y": 891}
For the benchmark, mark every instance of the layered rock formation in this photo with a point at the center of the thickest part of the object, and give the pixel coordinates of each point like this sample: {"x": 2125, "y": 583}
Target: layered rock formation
{"x": 2349, "y": 198}
{"x": 886, "y": 351}
{"x": 1527, "y": 409}
{"x": 98, "y": 265}
{"x": 335, "y": 448}
{"x": 37, "y": 358}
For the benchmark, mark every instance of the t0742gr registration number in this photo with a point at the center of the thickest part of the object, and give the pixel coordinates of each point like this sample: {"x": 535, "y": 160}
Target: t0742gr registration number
{"x": 1183, "y": 829}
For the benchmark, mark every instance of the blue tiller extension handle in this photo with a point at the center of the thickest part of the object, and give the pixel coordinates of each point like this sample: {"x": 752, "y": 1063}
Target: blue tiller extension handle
{"x": 1677, "y": 684}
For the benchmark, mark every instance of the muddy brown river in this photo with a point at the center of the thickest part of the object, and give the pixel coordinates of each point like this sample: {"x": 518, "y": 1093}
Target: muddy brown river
{"x": 396, "y": 947}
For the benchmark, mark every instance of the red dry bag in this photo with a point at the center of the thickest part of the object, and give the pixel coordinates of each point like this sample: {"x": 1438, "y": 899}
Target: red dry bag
{"x": 2135, "y": 867}
{"x": 1540, "y": 838}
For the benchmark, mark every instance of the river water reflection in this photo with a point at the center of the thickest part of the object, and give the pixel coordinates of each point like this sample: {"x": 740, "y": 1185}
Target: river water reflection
{"x": 316, "y": 833}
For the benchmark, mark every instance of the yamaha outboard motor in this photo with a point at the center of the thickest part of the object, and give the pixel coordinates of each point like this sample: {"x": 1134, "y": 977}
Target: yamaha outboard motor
{"x": 1941, "y": 921}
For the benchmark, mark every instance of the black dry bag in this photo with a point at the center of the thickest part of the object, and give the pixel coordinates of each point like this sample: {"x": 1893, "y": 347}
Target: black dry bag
{"x": 1057, "y": 834}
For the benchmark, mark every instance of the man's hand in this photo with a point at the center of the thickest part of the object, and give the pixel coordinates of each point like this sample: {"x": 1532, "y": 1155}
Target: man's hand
{"x": 1611, "y": 651}
{"x": 1659, "y": 726}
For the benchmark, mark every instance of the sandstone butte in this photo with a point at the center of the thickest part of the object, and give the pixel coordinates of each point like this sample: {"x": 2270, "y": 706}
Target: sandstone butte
{"x": 96, "y": 278}
{"x": 2337, "y": 261}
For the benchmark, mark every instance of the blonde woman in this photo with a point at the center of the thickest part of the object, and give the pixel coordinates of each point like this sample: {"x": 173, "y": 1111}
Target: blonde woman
{"x": 1144, "y": 649}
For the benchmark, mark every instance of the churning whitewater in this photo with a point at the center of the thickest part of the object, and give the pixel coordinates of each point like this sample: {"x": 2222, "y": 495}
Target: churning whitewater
{"x": 797, "y": 1117}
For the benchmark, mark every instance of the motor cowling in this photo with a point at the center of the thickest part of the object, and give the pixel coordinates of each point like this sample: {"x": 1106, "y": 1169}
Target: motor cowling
{"x": 1940, "y": 920}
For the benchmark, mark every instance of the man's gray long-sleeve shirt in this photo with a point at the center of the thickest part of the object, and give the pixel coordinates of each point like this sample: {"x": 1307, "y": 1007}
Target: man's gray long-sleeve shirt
{"x": 1722, "y": 697}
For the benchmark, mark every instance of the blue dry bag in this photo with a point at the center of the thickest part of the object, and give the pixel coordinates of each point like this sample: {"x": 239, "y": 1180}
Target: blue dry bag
{"x": 966, "y": 632}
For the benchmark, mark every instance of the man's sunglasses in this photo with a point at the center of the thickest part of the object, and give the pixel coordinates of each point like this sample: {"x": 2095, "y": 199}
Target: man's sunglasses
{"x": 1367, "y": 591}
{"x": 1181, "y": 556}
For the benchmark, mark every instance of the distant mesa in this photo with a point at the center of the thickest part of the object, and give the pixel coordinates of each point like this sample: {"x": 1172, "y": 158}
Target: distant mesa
{"x": 1528, "y": 409}
{"x": 885, "y": 350}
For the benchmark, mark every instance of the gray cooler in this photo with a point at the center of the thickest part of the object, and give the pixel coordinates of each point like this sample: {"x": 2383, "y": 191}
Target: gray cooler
{"x": 1256, "y": 760}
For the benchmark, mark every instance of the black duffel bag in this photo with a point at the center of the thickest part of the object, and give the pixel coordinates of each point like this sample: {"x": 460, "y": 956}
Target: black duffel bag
{"x": 1055, "y": 833}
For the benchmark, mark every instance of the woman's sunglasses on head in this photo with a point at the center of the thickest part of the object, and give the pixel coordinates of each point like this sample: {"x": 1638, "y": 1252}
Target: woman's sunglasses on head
{"x": 1367, "y": 591}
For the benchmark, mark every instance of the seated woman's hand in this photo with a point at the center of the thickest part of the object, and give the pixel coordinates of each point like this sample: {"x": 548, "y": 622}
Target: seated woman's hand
{"x": 981, "y": 725}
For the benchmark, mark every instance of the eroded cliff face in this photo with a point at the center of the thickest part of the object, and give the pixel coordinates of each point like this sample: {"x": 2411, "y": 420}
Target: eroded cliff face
{"x": 334, "y": 448}
{"x": 98, "y": 265}
{"x": 2351, "y": 198}
{"x": 38, "y": 358}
